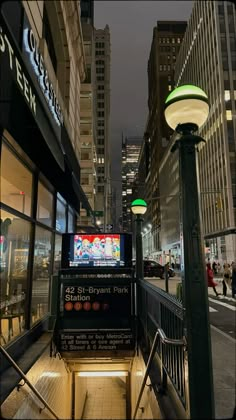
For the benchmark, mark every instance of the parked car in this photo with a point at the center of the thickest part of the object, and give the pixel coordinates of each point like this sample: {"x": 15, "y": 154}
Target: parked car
{"x": 154, "y": 269}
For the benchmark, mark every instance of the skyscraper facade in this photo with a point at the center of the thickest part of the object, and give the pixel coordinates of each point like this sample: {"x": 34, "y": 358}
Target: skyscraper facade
{"x": 131, "y": 147}
{"x": 88, "y": 115}
{"x": 207, "y": 59}
{"x": 102, "y": 63}
{"x": 167, "y": 38}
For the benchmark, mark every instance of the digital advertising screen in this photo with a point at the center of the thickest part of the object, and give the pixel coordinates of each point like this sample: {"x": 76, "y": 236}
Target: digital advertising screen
{"x": 96, "y": 250}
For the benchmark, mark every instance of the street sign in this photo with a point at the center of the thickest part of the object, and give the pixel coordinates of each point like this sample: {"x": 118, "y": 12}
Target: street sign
{"x": 109, "y": 227}
{"x": 98, "y": 213}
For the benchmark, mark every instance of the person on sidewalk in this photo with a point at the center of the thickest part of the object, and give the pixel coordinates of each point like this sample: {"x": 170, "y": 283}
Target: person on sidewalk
{"x": 226, "y": 278}
{"x": 210, "y": 279}
{"x": 234, "y": 280}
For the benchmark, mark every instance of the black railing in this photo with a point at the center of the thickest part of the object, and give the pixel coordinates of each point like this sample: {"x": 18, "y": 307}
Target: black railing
{"x": 160, "y": 311}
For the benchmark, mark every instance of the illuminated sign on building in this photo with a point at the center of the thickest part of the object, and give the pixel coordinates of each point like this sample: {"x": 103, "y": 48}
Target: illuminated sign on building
{"x": 16, "y": 68}
{"x": 41, "y": 72}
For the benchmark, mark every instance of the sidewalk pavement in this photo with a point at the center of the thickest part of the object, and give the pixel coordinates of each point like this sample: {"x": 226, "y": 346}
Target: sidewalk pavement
{"x": 224, "y": 368}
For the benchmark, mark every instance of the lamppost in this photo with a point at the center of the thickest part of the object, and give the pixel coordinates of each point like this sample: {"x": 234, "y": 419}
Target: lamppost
{"x": 187, "y": 109}
{"x": 139, "y": 207}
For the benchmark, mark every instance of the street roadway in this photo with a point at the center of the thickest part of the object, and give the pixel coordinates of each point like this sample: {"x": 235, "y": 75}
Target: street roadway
{"x": 222, "y": 310}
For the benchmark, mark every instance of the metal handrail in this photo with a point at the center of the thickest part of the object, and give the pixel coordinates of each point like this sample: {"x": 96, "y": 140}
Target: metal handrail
{"x": 23, "y": 376}
{"x": 174, "y": 341}
{"x": 165, "y": 340}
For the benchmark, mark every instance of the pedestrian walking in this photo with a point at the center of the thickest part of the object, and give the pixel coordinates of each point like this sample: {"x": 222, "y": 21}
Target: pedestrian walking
{"x": 234, "y": 280}
{"x": 214, "y": 268}
{"x": 210, "y": 278}
{"x": 226, "y": 278}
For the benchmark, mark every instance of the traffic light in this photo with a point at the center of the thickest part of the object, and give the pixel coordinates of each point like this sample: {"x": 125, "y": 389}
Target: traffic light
{"x": 219, "y": 204}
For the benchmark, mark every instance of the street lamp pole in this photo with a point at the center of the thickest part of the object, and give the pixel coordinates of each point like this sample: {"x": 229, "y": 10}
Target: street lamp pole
{"x": 187, "y": 112}
{"x": 138, "y": 208}
{"x": 139, "y": 248}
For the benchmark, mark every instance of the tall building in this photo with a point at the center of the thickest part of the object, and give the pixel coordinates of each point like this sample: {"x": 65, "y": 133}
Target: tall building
{"x": 102, "y": 62}
{"x": 87, "y": 11}
{"x": 207, "y": 59}
{"x": 131, "y": 147}
{"x": 88, "y": 155}
{"x": 167, "y": 38}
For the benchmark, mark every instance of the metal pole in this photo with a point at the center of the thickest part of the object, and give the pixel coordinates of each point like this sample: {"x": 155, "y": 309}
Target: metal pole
{"x": 139, "y": 248}
{"x": 195, "y": 292}
{"x": 166, "y": 278}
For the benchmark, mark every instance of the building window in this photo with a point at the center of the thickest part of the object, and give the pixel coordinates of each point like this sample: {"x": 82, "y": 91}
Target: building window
{"x": 84, "y": 179}
{"x": 47, "y": 34}
{"x": 71, "y": 221}
{"x": 100, "y": 78}
{"x": 100, "y": 189}
{"x": 88, "y": 75}
{"x": 101, "y": 114}
{"x": 16, "y": 191}
{"x": 61, "y": 214}
{"x": 85, "y": 155}
{"x": 100, "y": 104}
{"x": 100, "y": 44}
{"x": 44, "y": 205}
{"x": 57, "y": 252}
{"x": 100, "y": 95}
{"x": 14, "y": 255}
{"x": 229, "y": 115}
{"x": 100, "y": 70}
{"x": 41, "y": 274}
{"x": 227, "y": 95}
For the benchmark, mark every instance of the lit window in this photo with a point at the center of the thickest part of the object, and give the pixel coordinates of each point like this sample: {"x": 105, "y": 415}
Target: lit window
{"x": 169, "y": 88}
{"x": 229, "y": 115}
{"x": 227, "y": 95}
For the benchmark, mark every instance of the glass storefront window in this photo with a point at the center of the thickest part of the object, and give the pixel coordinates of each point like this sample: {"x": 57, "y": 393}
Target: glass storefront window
{"x": 41, "y": 273}
{"x": 61, "y": 214}
{"x": 16, "y": 191}
{"x": 14, "y": 254}
{"x": 57, "y": 253}
{"x": 45, "y": 205}
{"x": 70, "y": 220}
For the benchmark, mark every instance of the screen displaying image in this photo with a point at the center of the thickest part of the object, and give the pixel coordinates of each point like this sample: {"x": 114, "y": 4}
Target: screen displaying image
{"x": 81, "y": 250}
{"x": 96, "y": 249}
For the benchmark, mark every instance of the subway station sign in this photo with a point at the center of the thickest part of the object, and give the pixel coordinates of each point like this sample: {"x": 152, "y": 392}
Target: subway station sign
{"x": 96, "y": 315}
{"x": 102, "y": 302}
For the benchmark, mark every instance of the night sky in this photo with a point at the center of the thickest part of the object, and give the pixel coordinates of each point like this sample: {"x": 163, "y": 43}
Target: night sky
{"x": 131, "y": 27}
